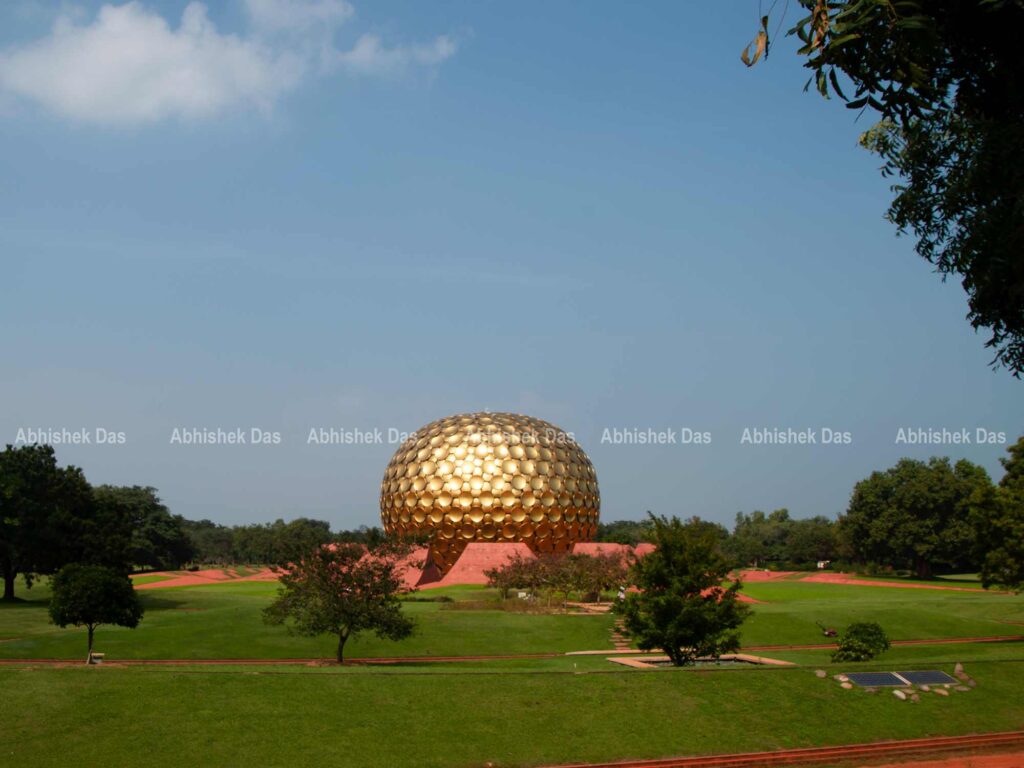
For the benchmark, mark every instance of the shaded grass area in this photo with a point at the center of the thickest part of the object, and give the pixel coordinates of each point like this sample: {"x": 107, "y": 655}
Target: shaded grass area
{"x": 340, "y": 717}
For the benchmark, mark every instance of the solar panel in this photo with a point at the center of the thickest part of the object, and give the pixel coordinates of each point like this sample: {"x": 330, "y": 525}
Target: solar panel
{"x": 875, "y": 679}
{"x": 927, "y": 677}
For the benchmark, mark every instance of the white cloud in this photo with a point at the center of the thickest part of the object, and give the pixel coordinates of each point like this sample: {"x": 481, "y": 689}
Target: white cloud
{"x": 369, "y": 56}
{"x": 129, "y": 65}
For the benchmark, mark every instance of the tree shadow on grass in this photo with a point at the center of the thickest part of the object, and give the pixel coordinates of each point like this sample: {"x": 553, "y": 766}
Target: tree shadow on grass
{"x": 21, "y": 602}
{"x": 152, "y": 603}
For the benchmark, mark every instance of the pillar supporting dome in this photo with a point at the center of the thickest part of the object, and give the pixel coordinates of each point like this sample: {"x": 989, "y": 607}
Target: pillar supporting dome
{"x": 499, "y": 477}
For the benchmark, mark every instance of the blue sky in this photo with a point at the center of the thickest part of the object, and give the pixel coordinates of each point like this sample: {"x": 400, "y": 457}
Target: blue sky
{"x": 288, "y": 214}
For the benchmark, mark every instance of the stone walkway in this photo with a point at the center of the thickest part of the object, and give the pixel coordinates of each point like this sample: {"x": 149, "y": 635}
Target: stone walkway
{"x": 620, "y": 637}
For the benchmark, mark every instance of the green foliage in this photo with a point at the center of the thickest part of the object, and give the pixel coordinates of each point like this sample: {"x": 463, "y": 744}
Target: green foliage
{"x": 630, "y": 532}
{"x": 45, "y": 513}
{"x": 148, "y": 534}
{"x": 915, "y": 515}
{"x": 945, "y": 77}
{"x": 91, "y": 595}
{"x": 276, "y": 543}
{"x": 861, "y": 642}
{"x": 682, "y": 607}
{"x": 776, "y": 539}
{"x": 562, "y": 574}
{"x": 343, "y": 589}
{"x": 998, "y": 513}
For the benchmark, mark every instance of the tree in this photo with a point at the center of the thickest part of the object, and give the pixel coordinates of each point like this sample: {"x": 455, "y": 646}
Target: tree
{"x": 630, "y": 532}
{"x": 210, "y": 542}
{"x": 998, "y": 514}
{"x": 91, "y": 595}
{"x": 758, "y": 539}
{"x": 682, "y": 607}
{"x": 946, "y": 79}
{"x": 43, "y": 510}
{"x": 810, "y": 540}
{"x": 134, "y": 520}
{"x": 601, "y": 572}
{"x": 861, "y": 641}
{"x": 915, "y": 515}
{"x": 343, "y": 589}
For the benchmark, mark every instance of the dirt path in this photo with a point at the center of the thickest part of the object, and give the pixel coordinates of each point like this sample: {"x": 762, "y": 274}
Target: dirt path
{"x": 907, "y": 751}
{"x": 839, "y": 578}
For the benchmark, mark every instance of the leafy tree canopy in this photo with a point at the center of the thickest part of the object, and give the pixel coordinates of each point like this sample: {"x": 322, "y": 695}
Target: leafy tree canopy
{"x": 343, "y": 589}
{"x": 43, "y": 511}
{"x": 134, "y": 522}
{"x": 682, "y": 607}
{"x": 91, "y": 595}
{"x": 915, "y": 515}
{"x": 946, "y": 79}
{"x": 861, "y": 641}
{"x": 998, "y": 513}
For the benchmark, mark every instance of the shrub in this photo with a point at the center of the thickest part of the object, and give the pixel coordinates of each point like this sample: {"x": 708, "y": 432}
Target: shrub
{"x": 861, "y": 642}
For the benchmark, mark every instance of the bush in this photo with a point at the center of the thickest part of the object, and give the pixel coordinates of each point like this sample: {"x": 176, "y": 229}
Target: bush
{"x": 861, "y": 642}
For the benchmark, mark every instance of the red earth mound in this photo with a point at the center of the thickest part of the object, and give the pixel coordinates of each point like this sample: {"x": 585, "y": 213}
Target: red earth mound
{"x": 208, "y": 576}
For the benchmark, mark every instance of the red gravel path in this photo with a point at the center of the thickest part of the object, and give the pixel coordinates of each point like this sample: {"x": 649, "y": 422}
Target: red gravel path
{"x": 854, "y": 754}
{"x": 208, "y": 576}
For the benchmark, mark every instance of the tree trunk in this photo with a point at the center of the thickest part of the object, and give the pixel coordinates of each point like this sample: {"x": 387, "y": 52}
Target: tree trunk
{"x": 923, "y": 568}
{"x": 342, "y": 637}
{"x": 9, "y": 576}
{"x": 88, "y": 659}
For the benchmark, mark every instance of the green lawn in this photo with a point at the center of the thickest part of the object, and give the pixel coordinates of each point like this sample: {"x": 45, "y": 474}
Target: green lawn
{"x": 224, "y": 621}
{"x": 509, "y": 712}
{"x": 791, "y": 609}
{"x": 356, "y": 717}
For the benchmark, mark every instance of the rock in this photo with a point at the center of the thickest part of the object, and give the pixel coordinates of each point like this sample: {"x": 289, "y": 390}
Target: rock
{"x": 900, "y": 695}
{"x": 972, "y": 683}
{"x": 958, "y": 669}
{"x": 846, "y": 685}
{"x": 942, "y": 692}
{"x": 962, "y": 675}
{"x": 962, "y": 688}
{"x": 842, "y": 678}
{"x": 915, "y": 698}
{"x": 821, "y": 673}
{"x": 926, "y": 688}
{"x": 870, "y": 690}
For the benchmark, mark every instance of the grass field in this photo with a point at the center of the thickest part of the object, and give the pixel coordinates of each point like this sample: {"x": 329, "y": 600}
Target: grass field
{"x": 510, "y": 712}
{"x": 287, "y": 717}
{"x": 223, "y": 621}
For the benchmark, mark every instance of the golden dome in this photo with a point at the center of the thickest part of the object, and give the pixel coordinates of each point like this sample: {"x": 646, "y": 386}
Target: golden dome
{"x": 490, "y": 477}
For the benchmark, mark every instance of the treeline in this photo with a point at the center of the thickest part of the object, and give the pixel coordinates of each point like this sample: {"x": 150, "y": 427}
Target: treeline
{"x": 51, "y": 516}
{"x": 918, "y": 517}
{"x": 274, "y": 543}
{"x": 757, "y": 540}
